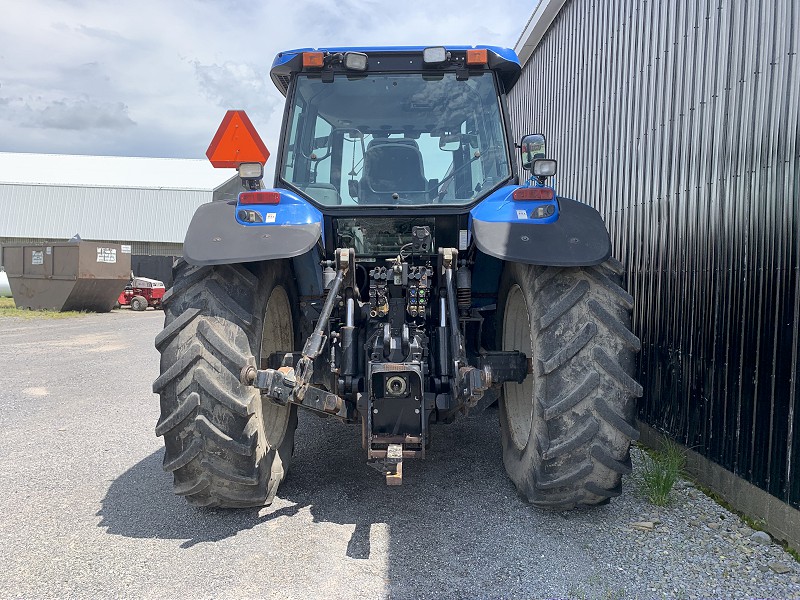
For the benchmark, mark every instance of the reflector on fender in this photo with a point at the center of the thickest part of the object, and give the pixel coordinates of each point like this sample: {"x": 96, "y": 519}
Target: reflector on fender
{"x": 259, "y": 198}
{"x": 313, "y": 60}
{"x": 477, "y": 57}
{"x": 533, "y": 193}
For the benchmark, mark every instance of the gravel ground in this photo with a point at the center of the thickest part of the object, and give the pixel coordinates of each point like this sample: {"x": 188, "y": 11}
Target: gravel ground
{"x": 88, "y": 511}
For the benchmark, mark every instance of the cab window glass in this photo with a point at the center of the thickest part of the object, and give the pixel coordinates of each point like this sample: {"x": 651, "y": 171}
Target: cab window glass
{"x": 395, "y": 139}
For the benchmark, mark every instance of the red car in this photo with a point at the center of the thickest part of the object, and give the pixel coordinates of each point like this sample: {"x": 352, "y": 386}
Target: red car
{"x": 142, "y": 292}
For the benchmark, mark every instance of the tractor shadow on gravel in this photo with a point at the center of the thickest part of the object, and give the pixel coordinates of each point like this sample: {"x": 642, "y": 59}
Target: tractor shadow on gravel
{"x": 456, "y": 512}
{"x": 140, "y": 504}
{"x": 329, "y": 475}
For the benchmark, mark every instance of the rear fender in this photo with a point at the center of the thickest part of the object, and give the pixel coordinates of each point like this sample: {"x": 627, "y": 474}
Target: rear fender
{"x": 573, "y": 233}
{"x": 217, "y": 235}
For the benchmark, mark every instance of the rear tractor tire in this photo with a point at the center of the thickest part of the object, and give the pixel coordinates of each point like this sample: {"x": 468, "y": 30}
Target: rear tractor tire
{"x": 224, "y": 444}
{"x": 138, "y": 303}
{"x": 566, "y": 430}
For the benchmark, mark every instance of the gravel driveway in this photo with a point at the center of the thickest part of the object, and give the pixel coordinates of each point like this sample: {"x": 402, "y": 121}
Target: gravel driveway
{"x": 88, "y": 512}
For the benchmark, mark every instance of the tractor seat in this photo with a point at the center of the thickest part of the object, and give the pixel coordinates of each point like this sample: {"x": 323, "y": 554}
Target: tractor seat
{"x": 324, "y": 193}
{"x": 392, "y": 166}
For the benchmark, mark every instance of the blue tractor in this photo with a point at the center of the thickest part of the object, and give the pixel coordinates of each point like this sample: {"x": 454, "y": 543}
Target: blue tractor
{"x": 401, "y": 272}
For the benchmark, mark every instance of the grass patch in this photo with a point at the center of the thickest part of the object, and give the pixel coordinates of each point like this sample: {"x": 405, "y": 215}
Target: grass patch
{"x": 659, "y": 472}
{"x": 9, "y": 309}
{"x": 791, "y": 551}
{"x": 672, "y": 455}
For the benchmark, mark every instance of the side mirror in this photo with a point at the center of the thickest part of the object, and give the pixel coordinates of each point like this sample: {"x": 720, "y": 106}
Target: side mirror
{"x": 532, "y": 147}
{"x": 450, "y": 142}
{"x": 454, "y": 141}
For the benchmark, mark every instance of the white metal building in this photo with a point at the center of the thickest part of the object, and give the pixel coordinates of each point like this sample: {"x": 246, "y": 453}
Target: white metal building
{"x": 145, "y": 202}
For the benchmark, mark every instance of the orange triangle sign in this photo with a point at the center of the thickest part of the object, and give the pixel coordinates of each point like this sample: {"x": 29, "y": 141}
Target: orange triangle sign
{"x": 236, "y": 142}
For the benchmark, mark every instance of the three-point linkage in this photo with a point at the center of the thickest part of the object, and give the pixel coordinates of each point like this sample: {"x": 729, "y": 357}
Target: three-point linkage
{"x": 290, "y": 383}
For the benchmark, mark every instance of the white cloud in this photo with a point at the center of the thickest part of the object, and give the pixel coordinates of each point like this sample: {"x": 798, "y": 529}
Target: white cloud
{"x": 154, "y": 78}
{"x": 79, "y": 115}
{"x": 238, "y": 86}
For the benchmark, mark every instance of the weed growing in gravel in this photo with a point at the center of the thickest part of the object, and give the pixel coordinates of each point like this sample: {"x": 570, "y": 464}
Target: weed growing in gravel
{"x": 659, "y": 472}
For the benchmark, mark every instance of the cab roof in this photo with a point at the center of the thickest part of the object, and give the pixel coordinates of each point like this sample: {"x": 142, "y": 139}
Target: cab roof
{"x": 503, "y": 61}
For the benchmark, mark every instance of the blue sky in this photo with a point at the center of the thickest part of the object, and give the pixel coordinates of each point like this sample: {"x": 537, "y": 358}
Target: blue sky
{"x": 154, "y": 77}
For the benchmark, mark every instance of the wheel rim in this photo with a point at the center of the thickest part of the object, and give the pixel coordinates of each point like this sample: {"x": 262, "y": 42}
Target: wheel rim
{"x": 518, "y": 397}
{"x": 277, "y": 334}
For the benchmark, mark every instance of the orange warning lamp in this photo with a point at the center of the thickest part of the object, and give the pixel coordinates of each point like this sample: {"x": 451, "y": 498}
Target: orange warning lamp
{"x": 477, "y": 57}
{"x": 236, "y": 142}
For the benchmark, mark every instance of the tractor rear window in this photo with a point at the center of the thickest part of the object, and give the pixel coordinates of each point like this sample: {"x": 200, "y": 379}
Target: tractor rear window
{"x": 395, "y": 139}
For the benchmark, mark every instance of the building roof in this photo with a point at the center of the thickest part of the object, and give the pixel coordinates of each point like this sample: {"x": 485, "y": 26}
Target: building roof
{"x": 111, "y": 171}
{"x": 543, "y": 16}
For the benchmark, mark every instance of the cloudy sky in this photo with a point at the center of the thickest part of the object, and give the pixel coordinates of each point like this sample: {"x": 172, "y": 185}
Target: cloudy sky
{"x": 154, "y": 77}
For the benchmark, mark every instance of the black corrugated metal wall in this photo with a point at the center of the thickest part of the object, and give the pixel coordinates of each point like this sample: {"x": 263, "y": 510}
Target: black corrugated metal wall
{"x": 679, "y": 122}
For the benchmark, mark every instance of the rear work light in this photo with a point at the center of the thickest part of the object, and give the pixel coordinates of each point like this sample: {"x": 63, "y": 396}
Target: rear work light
{"x": 355, "y": 61}
{"x": 434, "y": 55}
{"x": 544, "y": 167}
{"x": 251, "y": 170}
{"x": 533, "y": 193}
{"x": 313, "y": 60}
{"x": 477, "y": 57}
{"x": 259, "y": 198}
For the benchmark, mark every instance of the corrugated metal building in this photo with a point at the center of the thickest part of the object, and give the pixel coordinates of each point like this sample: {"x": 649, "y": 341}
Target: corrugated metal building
{"x": 679, "y": 122}
{"x": 146, "y": 203}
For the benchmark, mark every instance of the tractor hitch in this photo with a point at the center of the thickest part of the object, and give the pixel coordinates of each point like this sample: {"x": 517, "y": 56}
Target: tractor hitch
{"x": 394, "y": 464}
{"x": 290, "y": 382}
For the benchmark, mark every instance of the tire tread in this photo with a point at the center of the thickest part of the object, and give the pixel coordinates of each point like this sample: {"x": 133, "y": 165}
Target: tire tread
{"x": 209, "y": 420}
{"x": 584, "y": 391}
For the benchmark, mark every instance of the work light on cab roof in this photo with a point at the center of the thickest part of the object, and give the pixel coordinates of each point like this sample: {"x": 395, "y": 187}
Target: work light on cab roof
{"x": 328, "y": 61}
{"x": 353, "y": 61}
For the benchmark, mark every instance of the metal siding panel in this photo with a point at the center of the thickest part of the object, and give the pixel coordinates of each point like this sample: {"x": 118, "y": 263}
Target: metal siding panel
{"x": 58, "y": 212}
{"x": 679, "y": 122}
{"x": 791, "y": 154}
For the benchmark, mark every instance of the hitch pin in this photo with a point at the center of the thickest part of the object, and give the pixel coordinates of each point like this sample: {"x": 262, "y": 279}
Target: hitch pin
{"x": 394, "y": 464}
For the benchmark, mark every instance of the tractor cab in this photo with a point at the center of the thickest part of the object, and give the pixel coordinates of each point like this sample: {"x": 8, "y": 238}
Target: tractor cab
{"x": 407, "y": 127}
